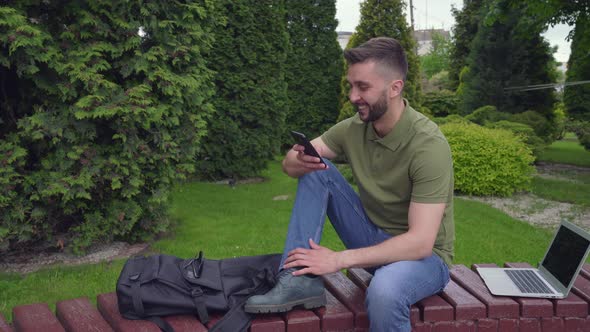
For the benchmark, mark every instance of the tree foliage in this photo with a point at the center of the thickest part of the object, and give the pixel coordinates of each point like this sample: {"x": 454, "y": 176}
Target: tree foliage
{"x": 439, "y": 58}
{"x": 502, "y": 55}
{"x": 387, "y": 18}
{"x": 466, "y": 24}
{"x": 97, "y": 120}
{"x": 577, "y": 97}
{"x": 250, "y": 103}
{"x": 314, "y": 66}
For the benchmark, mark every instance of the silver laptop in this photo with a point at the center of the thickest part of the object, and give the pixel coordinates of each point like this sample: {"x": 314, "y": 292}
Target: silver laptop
{"x": 556, "y": 274}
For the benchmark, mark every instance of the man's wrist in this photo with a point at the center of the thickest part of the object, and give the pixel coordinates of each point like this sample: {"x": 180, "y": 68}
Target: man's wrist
{"x": 344, "y": 259}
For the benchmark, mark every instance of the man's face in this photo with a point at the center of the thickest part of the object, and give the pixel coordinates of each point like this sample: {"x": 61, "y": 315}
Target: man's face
{"x": 368, "y": 91}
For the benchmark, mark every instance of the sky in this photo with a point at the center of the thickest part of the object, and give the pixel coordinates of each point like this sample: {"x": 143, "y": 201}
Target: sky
{"x": 437, "y": 14}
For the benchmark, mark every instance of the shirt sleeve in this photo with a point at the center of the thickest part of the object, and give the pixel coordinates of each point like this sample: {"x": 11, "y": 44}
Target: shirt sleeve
{"x": 431, "y": 172}
{"x": 334, "y": 137}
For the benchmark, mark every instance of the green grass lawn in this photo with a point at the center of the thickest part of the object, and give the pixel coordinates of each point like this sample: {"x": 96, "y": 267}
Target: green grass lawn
{"x": 562, "y": 191}
{"x": 245, "y": 220}
{"x": 566, "y": 151}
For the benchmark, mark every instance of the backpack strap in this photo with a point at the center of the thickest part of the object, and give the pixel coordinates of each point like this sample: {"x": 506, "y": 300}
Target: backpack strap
{"x": 136, "y": 295}
{"x": 236, "y": 319}
{"x": 197, "y": 294}
{"x": 162, "y": 324}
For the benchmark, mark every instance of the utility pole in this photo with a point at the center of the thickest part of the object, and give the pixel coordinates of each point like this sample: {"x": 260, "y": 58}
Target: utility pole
{"x": 412, "y": 13}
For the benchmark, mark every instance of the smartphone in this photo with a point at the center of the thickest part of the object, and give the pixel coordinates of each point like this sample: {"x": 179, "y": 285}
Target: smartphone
{"x": 309, "y": 149}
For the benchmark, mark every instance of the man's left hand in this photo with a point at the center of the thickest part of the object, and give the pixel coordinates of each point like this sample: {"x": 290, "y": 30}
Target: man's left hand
{"x": 318, "y": 260}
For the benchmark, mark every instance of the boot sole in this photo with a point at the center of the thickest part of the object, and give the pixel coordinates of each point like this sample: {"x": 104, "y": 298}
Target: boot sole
{"x": 308, "y": 303}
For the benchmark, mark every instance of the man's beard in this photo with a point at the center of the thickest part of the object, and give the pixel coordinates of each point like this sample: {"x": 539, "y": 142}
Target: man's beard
{"x": 376, "y": 110}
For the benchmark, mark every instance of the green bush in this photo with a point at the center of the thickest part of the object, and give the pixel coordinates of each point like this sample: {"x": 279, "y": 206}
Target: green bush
{"x": 104, "y": 110}
{"x": 543, "y": 127}
{"x": 451, "y": 118}
{"x": 488, "y": 161}
{"x": 527, "y": 133}
{"x": 486, "y": 114}
{"x": 441, "y": 103}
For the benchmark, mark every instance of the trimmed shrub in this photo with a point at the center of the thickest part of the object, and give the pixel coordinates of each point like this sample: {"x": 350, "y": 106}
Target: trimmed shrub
{"x": 488, "y": 161}
{"x": 451, "y": 118}
{"x": 543, "y": 127}
{"x": 104, "y": 110}
{"x": 486, "y": 114}
{"x": 441, "y": 103}
{"x": 527, "y": 133}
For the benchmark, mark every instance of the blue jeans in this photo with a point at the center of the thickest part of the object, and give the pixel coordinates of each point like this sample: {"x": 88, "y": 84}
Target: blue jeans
{"x": 395, "y": 286}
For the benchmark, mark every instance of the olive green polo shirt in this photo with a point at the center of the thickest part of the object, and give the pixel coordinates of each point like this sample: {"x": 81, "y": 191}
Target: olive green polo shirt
{"x": 411, "y": 163}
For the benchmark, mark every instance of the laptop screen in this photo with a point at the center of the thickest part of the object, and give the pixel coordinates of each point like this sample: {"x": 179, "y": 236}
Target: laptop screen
{"x": 565, "y": 255}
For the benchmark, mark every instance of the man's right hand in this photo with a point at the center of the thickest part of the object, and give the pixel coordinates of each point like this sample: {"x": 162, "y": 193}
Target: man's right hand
{"x": 297, "y": 163}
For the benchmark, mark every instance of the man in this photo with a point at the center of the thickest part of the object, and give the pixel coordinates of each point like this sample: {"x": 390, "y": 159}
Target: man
{"x": 400, "y": 226}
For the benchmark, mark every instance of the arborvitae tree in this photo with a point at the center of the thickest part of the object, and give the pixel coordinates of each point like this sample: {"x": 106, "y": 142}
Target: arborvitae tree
{"x": 103, "y": 104}
{"x": 314, "y": 66}
{"x": 577, "y": 97}
{"x": 251, "y": 101}
{"x": 466, "y": 22}
{"x": 386, "y": 18}
{"x": 503, "y": 56}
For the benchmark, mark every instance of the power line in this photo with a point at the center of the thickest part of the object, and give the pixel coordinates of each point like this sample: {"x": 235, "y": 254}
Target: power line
{"x": 544, "y": 86}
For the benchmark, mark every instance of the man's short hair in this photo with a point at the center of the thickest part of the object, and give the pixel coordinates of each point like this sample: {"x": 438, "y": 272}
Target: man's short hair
{"x": 384, "y": 51}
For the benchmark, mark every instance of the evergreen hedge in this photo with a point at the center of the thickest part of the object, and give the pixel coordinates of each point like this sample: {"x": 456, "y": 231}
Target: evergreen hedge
{"x": 313, "y": 68}
{"x": 103, "y": 106}
{"x": 251, "y": 100}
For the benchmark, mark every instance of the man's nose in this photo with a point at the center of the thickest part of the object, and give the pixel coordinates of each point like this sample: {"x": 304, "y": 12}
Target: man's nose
{"x": 353, "y": 96}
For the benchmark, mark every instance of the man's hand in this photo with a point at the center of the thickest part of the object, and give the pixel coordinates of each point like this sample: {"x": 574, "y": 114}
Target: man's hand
{"x": 297, "y": 163}
{"x": 318, "y": 260}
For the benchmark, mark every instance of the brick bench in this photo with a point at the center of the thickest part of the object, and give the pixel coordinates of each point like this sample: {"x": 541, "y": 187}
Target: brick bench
{"x": 464, "y": 305}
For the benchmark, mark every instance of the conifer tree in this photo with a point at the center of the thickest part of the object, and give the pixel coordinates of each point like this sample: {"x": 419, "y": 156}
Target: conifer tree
{"x": 103, "y": 105}
{"x": 503, "y": 55}
{"x": 314, "y": 66}
{"x": 251, "y": 100}
{"x": 577, "y": 97}
{"x": 466, "y": 23}
{"x": 386, "y": 18}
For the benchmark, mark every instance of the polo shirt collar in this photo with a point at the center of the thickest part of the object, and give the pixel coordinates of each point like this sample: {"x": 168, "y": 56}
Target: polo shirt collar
{"x": 396, "y": 136}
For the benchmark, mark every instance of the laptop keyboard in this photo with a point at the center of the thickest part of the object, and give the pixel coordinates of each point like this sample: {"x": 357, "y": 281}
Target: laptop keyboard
{"x": 528, "y": 281}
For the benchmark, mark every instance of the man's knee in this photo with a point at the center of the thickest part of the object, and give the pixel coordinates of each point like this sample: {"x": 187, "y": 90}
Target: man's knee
{"x": 381, "y": 293}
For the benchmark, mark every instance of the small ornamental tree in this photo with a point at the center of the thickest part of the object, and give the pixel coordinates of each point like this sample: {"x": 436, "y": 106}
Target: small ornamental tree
{"x": 313, "y": 67}
{"x": 103, "y": 106}
{"x": 251, "y": 100}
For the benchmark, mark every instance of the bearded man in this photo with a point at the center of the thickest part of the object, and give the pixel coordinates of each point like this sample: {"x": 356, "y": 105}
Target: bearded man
{"x": 400, "y": 224}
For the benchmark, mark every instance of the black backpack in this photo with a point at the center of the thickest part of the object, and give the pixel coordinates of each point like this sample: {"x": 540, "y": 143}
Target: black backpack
{"x": 160, "y": 285}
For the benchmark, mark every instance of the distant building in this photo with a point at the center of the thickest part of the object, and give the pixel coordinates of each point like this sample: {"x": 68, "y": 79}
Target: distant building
{"x": 343, "y": 37}
{"x": 424, "y": 39}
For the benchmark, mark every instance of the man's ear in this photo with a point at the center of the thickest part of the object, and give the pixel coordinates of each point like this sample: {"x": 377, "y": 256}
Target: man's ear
{"x": 396, "y": 87}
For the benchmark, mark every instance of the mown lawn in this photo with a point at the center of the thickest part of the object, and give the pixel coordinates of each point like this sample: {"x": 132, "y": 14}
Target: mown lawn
{"x": 566, "y": 151}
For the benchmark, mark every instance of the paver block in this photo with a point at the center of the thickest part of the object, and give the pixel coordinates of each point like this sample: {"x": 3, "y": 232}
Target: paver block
{"x": 35, "y": 318}
{"x": 352, "y": 296}
{"x": 497, "y": 306}
{"x": 335, "y": 316}
{"x": 107, "y": 306}
{"x": 552, "y": 324}
{"x": 435, "y": 309}
{"x": 467, "y": 306}
{"x": 301, "y": 320}
{"x": 267, "y": 323}
{"x": 79, "y": 315}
